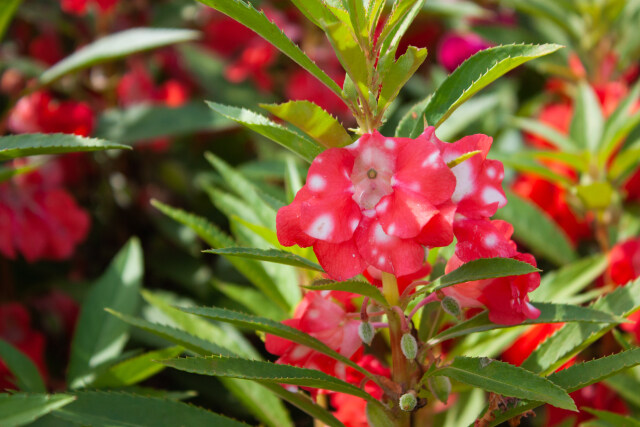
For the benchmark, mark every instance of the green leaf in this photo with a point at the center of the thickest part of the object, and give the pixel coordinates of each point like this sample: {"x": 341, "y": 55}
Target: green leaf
{"x": 141, "y": 123}
{"x": 595, "y": 196}
{"x": 136, "y": 369}
{"x": 378, "y": 417}
{"x": 559, "y": 285}
{"x": 522, "y": 162}
{"x": 35, "y": 144}
{"x": 484, "y": 268}
{"x": 268, "y": 372}
{"x": 208, "y": 232}
{"x": 114, "y": 46}
{"x": 505, "y": 379}
{"x": 258, "y": 22}
{"x": 624, "y": 163}
{"x": 270, "y": 255}
{"x": 587, "y": 123}
{"x": 325, "y": 129}
{"x": 473, "y": 75}
{"x": 537, "y": 230}
{"x": 23, "y": 369}
{"x": 304, "y": 403}
{"x": 108, "y": 409}
{"x": 350, "y": 54}
{"x": 574, "y": 337}
{"x": 299, "y": 144}
{"x": 399, "y": 73}
{"x": 99, "y": 337}
{"x": 536, "y": 127}
{"x": 549, "y": 313}
{"x": 21, "y": 408}
{"x": 612, "y": 418}
{"x": 250, "y": 298}
{"x": 8, "y": 173}
{"x": 315, "y": 11}
{"x": 619, "y": 125}
{"x": 7, "y": 9}
{"x": 353, "y": 286}
{"x": 408, "y": 121}
{"x": 274, "y": 328}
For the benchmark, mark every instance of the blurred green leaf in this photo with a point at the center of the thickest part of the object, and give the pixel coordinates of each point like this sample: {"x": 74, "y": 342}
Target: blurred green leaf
{"x": 108, "y": 409}
{"x": 484, "y": 268}
{"x": 352, "y": 286}
{"x": 258, "y": 22}
{"x": 8, "y": 173}
{"x": 597, "y": 195}
{"x": 537, "y": 230}
{"x": 299, "y": 144}
{"x": 524, "y": 163}
{"x": 559, "y": 285}
{"x": 473, "y": 75}
{"x": 270, "y": 255}
{"x": 536, "y": 127}
{"x": 613, "y": 419}
{"x": 312, "y": 120}
{"x": 23, "y": 369}
{"x": 250, "y": 298}
{"x": 587, "y": 123}
{"x": 99, "y": 337}
{"x": 408, "y": 121}
{"x": 114, "y": 46}
{"x": 22, "y": 409}
{"x": 7, "y": 10}
{"x": 378, "y": 417}
{"x": 619, "y": 124}
{"x": 625, "y": 162}
{"x": 505, "y": 379}
{"x": 35, "y": 144}
{"x": 399, "y": 73}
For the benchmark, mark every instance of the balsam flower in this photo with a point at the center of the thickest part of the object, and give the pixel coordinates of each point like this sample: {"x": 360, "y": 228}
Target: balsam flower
{"x": 377, "y": 202}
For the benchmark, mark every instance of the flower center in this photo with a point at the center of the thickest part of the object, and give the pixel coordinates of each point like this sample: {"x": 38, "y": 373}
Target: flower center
{"x": 371, "y": 176}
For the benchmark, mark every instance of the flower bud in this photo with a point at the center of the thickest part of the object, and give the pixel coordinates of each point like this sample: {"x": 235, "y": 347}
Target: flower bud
{"x": 440, "y": 387}
{"x": 408, "y": 401}
{"x": 366, "y": 332}
{"x": 409, "y": 346}
{"x": 451, "y": 306}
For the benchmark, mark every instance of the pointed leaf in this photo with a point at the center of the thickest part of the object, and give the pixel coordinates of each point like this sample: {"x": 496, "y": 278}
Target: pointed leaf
{"x": 99, "y": 337}
{"x": 299, "y": 144}
{"x": 505, "y": 379}
{"x": 353, "y": 286}
{"x": 304, "y": 403}
{"x": 560, "y": 141}
{"x": 378, "y": 417}
{"x": 473, "y": 75}
{"x": 621, "y": 122}
{"x": 249, "y": 17}
{"x": 325, "y": 129}
{"x": 408, "y": 121}
{"x": 23, "y": 369}
{"x": 350, "y": 55}
{"x": 270, "y": 255}
{"x": 274, "y": 328}
{"x": 265, "y": 371}
{"x": 22, "y": 409}
{"x": 35, "y": 144}
{"x": 399, "y": 74}
{"x": 587, "y": 123}
{"x": 107, "y": 409}
{"x": 537, "y": 230}
{"x": 116, "y": 46}
{"x": 7, "y": 9}
{"x": 549, "y": 313}
{"x": 484, "y": 268}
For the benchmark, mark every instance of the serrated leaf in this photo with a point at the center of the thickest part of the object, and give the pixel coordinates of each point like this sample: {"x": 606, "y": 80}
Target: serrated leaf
{"x": 297, "y": 143}
{"x": 304, "y": 403}
{"x": 99, "y": 337}
{"x": 258, "y": 22}
{"x": 23, "y": 369}
{"x": 142, "y": 123}
{"x": 350, "y": 54}
{"x": 208, "y": 232}
{"x": 265, "y": 371}
{"x": 114, "y": 46}
{"x": 136, "y": 369}
{"x": 108, "y": 409}
{"x": 536, "y": 127}
{"x": 407, "y": 122}
{"x": 7, "y": 9}
{"x": 587, "y": 123}
{"x": 325, "y": 129}
{"x": 399, "y": 73}
{"x": 21, "y": 408}
{"x": 484, "y": 268}
{"x": 573, "y": 338}
{"x": 549, "y": 313}
{"x": 537, "y": 230}
{"x": 353, "y": 286}
{"x": 473, "y": 75}
{"x": 505, "y": 379}
{"x": 35, "y": 144}
{"x": 269, "y": 326}
{"x": 270, "y": 255}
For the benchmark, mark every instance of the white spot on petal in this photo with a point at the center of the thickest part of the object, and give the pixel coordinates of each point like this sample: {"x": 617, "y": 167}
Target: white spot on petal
{"x": 390, "y": 144}
{"x": 316, "y": 183}
{"x": 354, "y": 224}
{"x": 491, "y": 173}
{"x": 322, "y": 227}
{"x": 380, "y": 236}
{"x": 381, "y": 260}
{"x": 491, "y": 195}
{"x": 391, "y": 229}
{"x": 313, "y": 314}
{"x": 491, "y": 240}
{"x": 382, "y": 206}
{"x": 464, "y": 181}
{"x": 431, "y": 160}
{"x": 299, "y": 352}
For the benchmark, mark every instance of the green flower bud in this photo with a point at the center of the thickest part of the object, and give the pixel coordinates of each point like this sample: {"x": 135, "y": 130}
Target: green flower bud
{"x": 440, "y": 387}
{"x": 366, "y": 332}
{"x": 409, "y": 346}
{"x": 451, "y": 306}
{"x": 408, "y": 402}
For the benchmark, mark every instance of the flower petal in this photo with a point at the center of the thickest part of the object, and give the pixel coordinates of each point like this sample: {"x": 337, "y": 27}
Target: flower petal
{"x": 341, "y": 261}
{"x": 404, "y": 213}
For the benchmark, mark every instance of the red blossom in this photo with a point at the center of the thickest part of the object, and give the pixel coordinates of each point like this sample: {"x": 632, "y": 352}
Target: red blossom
{"x": 526, "y": 343}
{"x": 368, "y": 204}
{"x": 624, "y": 266}
{"x": 597, "y": 396}
{"x": 455, "y": 48}
{"x": 80, "y": 7}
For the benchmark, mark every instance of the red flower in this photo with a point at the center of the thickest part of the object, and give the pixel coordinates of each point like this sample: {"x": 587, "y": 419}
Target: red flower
{"x": 597, "y": 396}
{"x": 79, "y": 7}
{"x": 506, "y": 298}
{"x": 456, "y": 48}
{"x": 303, "y": 86}
{"x": 528, "y": 342}
{"x": 368, "y": 204}
{"x": 46, "y": 48}
{"x": 624, "y": 266}
{"x": 324, "y": 316}
{"x": 15, "y": 327}
{"x": 59, "y": 311}
{"x": 39, "y": 219}
{"x": 39, "y": 112}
